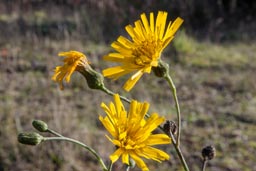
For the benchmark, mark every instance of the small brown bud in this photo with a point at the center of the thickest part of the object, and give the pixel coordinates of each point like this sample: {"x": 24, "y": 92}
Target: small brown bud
{"x": 170, "y": 126}
{"x": 208, "y": 152}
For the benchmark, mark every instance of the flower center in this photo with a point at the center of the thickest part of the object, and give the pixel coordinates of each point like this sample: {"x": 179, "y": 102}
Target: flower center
{"x": 146, "y": 52}
{"x": 142, "y": 60}
{"x": 128, "y": 144}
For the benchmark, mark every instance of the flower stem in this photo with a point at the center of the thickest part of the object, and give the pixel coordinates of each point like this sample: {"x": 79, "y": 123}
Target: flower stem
{"x": 80, "y": 144}
{"x": 110, "y": 166}
{"x": 178, "y": 150}
{"x": 204, "y": 164}
{"x": 173, "y": 88}
{"x": 109, "y": 92}
{"x": 54, "y": 133}
{"x": 127, "y": 168}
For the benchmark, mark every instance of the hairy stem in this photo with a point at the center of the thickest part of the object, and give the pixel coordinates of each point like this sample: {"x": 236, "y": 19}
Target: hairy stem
{"x": 173, "y": 88}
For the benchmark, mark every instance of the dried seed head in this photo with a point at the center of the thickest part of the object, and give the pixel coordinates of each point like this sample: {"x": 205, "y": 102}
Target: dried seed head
{"x": 170, "y": 126}
{"x": 208, "y": 152}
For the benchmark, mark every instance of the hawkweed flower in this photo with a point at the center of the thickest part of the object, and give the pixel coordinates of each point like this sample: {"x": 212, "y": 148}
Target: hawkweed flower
{"x": 132, "y": 134}
{"x": 71, "y": 62}
{"x": 77, "y": 61}
{"x": 143, "y": 51}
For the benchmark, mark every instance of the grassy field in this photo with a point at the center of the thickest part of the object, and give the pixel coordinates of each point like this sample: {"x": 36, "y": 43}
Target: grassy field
{"x": 214, "y": 74}
{"x": 216, "y": 86}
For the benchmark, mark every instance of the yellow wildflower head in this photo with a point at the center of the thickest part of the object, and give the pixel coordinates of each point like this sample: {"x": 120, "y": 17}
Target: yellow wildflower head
{"x": 132, "y": 133}
{"x": 73, "y": 61}
{"x": 139, "y": 55}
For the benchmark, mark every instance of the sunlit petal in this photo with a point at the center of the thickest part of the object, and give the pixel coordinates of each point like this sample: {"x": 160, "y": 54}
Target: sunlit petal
{"x": 132, "y": 133}
{"x": 149, "y": 37}
{"x": 71, "y": 61}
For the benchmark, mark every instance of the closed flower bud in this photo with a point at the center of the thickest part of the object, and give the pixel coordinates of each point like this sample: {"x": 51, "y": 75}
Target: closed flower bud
{"x": 40, "y": 125}
{"x": 94, "y": 79}
{"x": 161, "y": 70}
{"x": 30, "y": 138}
{"x": 170, "y": 126}
{"x": 208, "y": 152}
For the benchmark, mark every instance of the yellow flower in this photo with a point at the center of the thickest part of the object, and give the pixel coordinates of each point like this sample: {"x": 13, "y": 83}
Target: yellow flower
{"x": 138, "y": 56}
{"x": 132, "y": 134}
{"x": 72, "y": 61}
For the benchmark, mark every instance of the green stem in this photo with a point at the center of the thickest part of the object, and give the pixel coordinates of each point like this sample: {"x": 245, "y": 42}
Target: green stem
{"x": 204, "y": 164}
{"x": 110, "y": 166}
{"x": 54, "y": 133}
{"x": 80, "y": 144}
{"x": 173, "y": 88}
{"x": 178, "y": 150}
{"x": 127, "y": 168}
{"x": 109, "y": 92}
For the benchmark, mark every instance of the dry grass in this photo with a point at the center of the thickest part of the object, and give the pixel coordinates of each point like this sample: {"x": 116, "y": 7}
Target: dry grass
{"x": 216, "y": 86}
{"x": 215, "y": 83}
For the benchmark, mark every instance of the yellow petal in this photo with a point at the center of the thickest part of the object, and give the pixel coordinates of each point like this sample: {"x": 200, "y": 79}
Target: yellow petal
{"x": 156, "y": 139}
{"x": 145, "y": 22}
{"x": 130, "y": 31}
{"x": 152, "y": 24}
{"x": 160, "y": 23}
{"x": 125, "y": 158}
{"x": 115, "y": 72}
{"x": 115, "y": 156}
{"x": 174, "y": 27}
{"x": 125, "y": 42}
{"x": 141, "y": 164}
{"x": 108, "y": 125}
{"x": 132, "y": 81}
{"x": 154, "y": 154}
{"x": 115, "y": 57}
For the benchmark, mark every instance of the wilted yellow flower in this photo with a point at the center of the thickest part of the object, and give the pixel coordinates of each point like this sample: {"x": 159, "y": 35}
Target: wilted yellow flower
{"x": 132, "y": 134}
{"x": 149, "y": 38}
{"x": 72, "y": 61}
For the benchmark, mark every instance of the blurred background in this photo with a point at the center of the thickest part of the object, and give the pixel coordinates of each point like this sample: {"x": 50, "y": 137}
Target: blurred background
{"x": 212, "y": 61}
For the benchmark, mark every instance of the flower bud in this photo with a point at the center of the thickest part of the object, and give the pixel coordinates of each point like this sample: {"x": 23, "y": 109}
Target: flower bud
{"x": 208, "y": 152}
{"x": 161, "y": 70}
{"x": 170, "y": 126}
{"x": 94, "y": 79}
{"x": 30, "y": 138}
{"x": 40, "y": 125}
